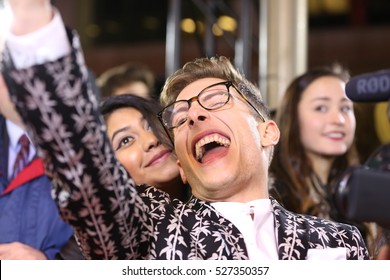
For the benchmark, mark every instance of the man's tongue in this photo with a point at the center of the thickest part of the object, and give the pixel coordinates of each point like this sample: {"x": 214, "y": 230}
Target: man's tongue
{"x": 214, "y": 153}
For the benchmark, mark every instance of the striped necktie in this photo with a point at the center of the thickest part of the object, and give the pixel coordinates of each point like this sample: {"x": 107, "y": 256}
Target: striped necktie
{"x": 21, "y": 159}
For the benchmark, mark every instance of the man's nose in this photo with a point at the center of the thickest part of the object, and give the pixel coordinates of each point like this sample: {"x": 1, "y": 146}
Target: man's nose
{"x": 197, "y": 113}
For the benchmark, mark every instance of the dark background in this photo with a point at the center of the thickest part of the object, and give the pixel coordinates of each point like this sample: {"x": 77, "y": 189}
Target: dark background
{"x": 355, "y": 33}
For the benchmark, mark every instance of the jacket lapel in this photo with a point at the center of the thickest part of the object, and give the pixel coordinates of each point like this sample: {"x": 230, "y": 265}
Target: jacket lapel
{"x": 4, "y": 142}
{"x": 236, "y": 248}
{"x": 292, "y": 236}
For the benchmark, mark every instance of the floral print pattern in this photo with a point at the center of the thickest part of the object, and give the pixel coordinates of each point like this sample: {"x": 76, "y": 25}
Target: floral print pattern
{"x": 112, "y": 217}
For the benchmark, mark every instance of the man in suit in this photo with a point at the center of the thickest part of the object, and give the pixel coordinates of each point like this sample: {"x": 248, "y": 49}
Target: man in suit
{"x": 223, "y": 139}
{"x": 30, "y": 225}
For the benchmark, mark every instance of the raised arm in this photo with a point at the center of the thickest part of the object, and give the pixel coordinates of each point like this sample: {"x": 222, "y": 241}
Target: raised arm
{"x": 28, "y": 16}
{"x": 94, "y": 193}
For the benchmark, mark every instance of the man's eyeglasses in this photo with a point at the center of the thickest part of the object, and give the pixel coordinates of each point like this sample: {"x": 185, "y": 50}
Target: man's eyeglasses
{"x": 210, "y": 98}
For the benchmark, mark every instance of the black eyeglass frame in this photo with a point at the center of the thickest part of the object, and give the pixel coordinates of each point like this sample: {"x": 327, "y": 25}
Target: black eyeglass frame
{"x": 228, "y": 84}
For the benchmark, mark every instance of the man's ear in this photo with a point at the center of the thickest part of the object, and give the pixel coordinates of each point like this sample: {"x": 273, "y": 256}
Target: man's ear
{"x": 270, "y": 133}
{"x": 182, "y": 175}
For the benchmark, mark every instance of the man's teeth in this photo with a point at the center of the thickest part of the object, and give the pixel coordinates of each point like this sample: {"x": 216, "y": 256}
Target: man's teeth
{"x": 200, "y": 146}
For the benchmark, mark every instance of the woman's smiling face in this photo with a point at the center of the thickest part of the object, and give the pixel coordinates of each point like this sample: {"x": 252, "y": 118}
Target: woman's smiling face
{"x": 138, "y": 149}
{"x": 326, "y": 118}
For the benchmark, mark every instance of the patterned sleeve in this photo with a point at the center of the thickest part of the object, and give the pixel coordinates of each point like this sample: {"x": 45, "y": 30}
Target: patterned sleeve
{"x": 93, "y": 192}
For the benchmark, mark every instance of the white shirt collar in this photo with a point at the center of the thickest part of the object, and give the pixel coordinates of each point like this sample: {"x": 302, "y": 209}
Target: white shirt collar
{"x": 14, "y": 133}
{"x": 259, "y": 234}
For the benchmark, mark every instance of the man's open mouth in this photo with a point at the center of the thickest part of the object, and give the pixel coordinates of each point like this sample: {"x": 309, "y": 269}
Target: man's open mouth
{"x": 208, "y": 144}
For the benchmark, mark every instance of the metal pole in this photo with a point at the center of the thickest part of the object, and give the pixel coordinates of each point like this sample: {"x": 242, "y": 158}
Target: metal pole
{"x": 209, "y": 42}
{"x": 263, "y": 49}
{"x": 243, "y": 53}
{"x": 172, "y": 45}
{"x": 301, "y": 35}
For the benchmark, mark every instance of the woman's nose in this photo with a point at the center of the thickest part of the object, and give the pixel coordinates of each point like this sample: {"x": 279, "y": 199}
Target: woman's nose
{"x": 149, "y": 140}
{"x": 338, "y": 117}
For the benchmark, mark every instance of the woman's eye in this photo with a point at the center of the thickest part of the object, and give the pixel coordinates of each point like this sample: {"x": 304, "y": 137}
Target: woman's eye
{"x": 346, "y": 109}
{"x": 125, "y": 141}
{"x": 320, "y": 108}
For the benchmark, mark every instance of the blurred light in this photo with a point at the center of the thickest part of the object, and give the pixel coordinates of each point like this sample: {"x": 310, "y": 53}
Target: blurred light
{"x": 227, "y": 23}
{"x": 314, "y": 7}
{"x": 92, "y": 30}
{"x": 217, "y": 31}
{"x": 200, "y": 26}
{"x": 337, "y": 6}
{"x": 317, "y": 7}
{"x": 188, "y": 25}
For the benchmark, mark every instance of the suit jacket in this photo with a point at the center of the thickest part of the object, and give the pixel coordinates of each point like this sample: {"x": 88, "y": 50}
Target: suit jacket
{"x": 113, "y": 218}
{"x": 28, "y": 214}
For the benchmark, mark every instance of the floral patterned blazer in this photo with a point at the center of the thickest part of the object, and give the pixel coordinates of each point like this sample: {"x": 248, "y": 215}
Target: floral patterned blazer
{"x": 114, "y": 219}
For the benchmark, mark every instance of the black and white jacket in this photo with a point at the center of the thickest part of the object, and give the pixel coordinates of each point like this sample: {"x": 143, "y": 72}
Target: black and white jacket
{"x": 114, "y": 219}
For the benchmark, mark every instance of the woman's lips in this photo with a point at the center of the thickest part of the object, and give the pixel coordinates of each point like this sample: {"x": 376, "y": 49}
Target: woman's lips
{"x": 161, "y": 156}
